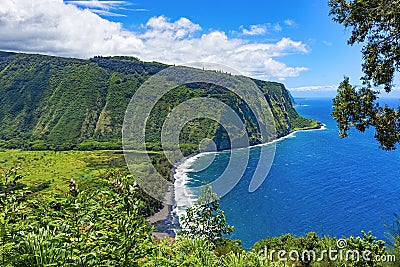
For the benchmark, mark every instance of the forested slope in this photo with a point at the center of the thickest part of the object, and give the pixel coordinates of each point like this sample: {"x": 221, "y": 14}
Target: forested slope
{"x": 63, "y": 103}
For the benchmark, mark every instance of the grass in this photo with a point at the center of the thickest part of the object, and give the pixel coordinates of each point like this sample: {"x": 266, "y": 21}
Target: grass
{"x": 38, "y": 167}
{"x": 305, "y": 124}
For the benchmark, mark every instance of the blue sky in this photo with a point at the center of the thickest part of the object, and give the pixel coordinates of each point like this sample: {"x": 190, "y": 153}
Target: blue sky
{"x": 328, "y": 60}
{"x": 294, "y": 42}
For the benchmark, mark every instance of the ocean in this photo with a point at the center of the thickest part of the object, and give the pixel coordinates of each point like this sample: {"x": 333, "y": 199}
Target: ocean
{"x": 317, "y": 182}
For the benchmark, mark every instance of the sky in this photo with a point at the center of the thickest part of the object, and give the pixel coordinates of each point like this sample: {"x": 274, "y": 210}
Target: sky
{"x": 293, "y": 42}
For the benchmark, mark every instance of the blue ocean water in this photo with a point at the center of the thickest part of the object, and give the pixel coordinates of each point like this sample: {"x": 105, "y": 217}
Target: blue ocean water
{"x": 317, "y": 182}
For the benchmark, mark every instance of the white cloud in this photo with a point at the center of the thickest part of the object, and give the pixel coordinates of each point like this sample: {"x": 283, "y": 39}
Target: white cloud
{"x": 107, "y": 13}
{"x": 53, "y": 27}
{"x": 255, "y": 30}
{"x": 161, "y": 27}
{"x": 327, "y": 43}
{"x": 290, "y": 22}
{"x": 103, "y": 7}
{"x": 326, "y": 88}
{"x": 314, "y": 91}
{"x": 98, "y": 3}
{"x": 260, "y": 29}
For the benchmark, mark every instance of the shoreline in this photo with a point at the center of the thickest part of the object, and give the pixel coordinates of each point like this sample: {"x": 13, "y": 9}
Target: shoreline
{"x": 163, "y": 220}
{"x": 165, "y": 216}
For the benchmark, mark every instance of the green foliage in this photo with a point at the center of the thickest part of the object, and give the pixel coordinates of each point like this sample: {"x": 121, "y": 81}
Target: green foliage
{"x": 104, "y": 227}
{"x": 205, "y": 219}
{"x": 10, "y": 205}
{"x": 91, "y": 145}
{"x": 358, "y": 108}
{"x": 352, "y": 108}
{"x": 393, "y": 232}
{"x": 44, "y": 248}
{"x": 101, "y": 228}
{"x": 312, "y": 250}
{"x": 224, "y": 246}
{"x": 369, "y": 243}
{"x": 269, "y": 247}
{"x": 184, "y": 252}
{"x": 56, "y": 168}
{"x": 375, "y": 24}
{"x": 393, "y": 237}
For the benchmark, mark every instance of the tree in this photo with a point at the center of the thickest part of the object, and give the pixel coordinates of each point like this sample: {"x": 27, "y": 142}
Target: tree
{"x": 375, "y": 24}
{"x": 205, "y": 219}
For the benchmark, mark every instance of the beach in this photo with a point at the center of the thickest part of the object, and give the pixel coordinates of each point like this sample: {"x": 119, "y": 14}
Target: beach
{"x": 164, "y": 220}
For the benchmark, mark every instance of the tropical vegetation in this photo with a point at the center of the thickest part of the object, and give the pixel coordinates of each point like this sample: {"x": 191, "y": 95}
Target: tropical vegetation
{"x": 67, "y": 198}
{"x": 107, "y": 227}
{"x": 53, "y": 103}
{"x": 375, "y": 25}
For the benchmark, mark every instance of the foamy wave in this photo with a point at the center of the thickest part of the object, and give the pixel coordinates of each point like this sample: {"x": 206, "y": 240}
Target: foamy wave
{"x": 291, "y": 135}
{"x": 323, "y": 127}
{"x": 184, "y": 196}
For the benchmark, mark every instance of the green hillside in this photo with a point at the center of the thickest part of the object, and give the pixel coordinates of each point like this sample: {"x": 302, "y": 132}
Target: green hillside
{"x": 62, "y": 103}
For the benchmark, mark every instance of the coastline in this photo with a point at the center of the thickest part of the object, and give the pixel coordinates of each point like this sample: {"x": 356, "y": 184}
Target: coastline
{"x": 164, "y": 220}
{"x": 165, "y": 217}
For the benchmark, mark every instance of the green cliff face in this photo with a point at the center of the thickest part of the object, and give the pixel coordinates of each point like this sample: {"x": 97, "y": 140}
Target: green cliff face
{"x": 61, "y": 103}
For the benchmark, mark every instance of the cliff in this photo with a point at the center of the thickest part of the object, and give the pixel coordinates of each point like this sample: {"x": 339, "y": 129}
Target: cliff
{"x": 62, "y": 103}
